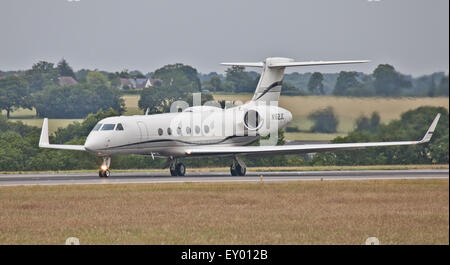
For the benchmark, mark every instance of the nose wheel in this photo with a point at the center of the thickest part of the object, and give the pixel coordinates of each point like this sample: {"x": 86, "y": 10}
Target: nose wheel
{"x": 104, "y": 168}
{"x": 104, "y": 173}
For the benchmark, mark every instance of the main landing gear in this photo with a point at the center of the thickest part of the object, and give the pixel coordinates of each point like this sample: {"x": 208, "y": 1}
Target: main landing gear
{"x": 104, "y": 168}
{"x": 177, "y": 168}
{"x": 238, "y": 168}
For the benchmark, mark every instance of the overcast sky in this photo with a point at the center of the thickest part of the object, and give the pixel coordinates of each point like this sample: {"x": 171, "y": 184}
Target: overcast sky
{"x": 112, "y": 35}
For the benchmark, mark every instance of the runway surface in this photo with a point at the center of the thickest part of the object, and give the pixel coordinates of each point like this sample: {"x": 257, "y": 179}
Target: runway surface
{"x": 142, "y": 177}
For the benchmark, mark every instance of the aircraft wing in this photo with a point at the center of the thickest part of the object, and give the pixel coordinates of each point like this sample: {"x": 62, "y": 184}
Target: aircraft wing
{"x": 44, "y": 142}
{"x": 307, "y": 148}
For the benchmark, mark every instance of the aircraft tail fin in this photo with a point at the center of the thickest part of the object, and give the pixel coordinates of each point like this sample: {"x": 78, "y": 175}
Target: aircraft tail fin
{"x": 271, "y": 80}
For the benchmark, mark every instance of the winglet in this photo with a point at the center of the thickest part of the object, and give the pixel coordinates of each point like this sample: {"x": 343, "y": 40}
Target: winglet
{"x": 430, "y": 131}
{"x": 43, "y": 141}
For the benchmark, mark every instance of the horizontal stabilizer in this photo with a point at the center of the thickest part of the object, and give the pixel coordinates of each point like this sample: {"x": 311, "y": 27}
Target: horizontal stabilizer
{"x": 258, "y": 64}
{"x": 291, "y": 64}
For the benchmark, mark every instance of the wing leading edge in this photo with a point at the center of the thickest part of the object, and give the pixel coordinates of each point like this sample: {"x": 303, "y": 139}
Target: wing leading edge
{"x": 313, "y": 148}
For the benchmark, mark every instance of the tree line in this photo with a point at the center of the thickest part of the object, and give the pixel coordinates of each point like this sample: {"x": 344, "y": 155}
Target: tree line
{"x": 385, "y": 81}
{"x": 40, "y": 88}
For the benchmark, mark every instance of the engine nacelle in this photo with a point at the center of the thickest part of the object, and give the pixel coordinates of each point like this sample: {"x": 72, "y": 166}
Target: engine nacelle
{"x": 252, "y": 120}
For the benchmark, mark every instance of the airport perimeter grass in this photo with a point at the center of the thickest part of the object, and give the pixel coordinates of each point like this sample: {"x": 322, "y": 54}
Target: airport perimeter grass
{"x": 310, "y": 212}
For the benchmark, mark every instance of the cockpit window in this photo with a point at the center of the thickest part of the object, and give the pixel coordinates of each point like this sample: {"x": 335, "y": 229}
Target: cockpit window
{"x": 119, "y": 127}
{"x": 108, "y": 127}
{"x": 97, "y": 126}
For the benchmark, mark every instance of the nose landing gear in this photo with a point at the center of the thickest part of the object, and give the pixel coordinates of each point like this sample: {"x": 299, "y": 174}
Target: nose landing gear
{"x": 104, "y": 174}
{"x": 104, "y": 168}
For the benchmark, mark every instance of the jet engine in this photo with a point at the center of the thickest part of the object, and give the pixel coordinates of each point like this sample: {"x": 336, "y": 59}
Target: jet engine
{"x": 252, "y": 120}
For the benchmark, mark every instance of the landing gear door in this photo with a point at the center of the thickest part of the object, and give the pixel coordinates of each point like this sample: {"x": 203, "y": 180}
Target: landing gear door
{"x": 142, "y": 130}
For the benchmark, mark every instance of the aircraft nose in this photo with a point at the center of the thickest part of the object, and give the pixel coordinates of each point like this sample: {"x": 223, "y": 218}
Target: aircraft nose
{"x": 92, "y": 144}
{"x": 88, "y": 145}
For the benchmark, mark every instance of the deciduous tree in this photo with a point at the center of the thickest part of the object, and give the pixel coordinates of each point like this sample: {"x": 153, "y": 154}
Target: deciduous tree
{"x": 388, "y": 82}
{"x": 14, "y": 94}
{"x": 64, "y": 68}
{"x": 315, "y": 85}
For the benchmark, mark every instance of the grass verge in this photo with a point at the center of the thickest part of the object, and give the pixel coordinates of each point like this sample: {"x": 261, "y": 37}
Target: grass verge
{"x": 316, "y": 212}
{"x": 250, "y": 169}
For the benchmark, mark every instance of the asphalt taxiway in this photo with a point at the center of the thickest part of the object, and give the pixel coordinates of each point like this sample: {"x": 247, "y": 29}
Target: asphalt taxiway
{"x": 143, "y": 177}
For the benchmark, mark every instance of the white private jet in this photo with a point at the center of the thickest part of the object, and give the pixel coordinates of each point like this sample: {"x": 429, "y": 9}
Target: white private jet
{"x": 210, "y": 131}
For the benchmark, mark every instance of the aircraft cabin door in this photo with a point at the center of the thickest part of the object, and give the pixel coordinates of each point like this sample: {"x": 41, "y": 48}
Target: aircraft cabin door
{"x": 142, "y": 130}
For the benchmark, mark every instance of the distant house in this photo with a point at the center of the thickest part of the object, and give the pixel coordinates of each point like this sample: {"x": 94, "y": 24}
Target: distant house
{"x": 140, "y": 83}
{"x": 155, "y": 82}
{"x": 148, "y": 83}
{"x": 125, "y": 83}
{"x": 67, "y": 80}
{"x": 135, "y": 83}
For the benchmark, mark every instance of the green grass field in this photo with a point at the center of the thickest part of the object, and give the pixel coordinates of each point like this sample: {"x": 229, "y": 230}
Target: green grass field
{"x": 347, "y": 110}
{"x": 131, "y": 103}
{"x": 311, "y": 212}
{"x": 53, "y": 124}
{"x": 28, "y": 117}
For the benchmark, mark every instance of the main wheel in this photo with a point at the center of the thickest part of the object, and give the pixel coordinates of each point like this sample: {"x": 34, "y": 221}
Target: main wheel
{"x": 173, "y": 172}
{"x": 240, "y": 171}
{"x": 233, "y": 170}
{"x": 181, "y": 169}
